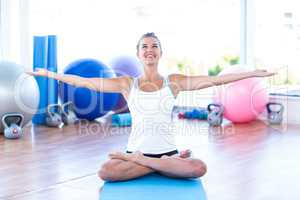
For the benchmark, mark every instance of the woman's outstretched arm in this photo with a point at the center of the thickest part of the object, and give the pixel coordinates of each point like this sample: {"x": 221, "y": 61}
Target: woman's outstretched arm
{"x": 185, "y": 83}
{"x": 118, "y": 85}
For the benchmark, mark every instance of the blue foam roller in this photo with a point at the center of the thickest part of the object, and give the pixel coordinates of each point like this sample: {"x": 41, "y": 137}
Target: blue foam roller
{"x": 123, "y": 119}
{"x": 196, "y": 114}
{"x": 154, "y": 187}
{"x": 52, "y": 66}
{"x": 40, "y": 61}
{"x": 199, "y": 114}
{"x": 188, "y": 115}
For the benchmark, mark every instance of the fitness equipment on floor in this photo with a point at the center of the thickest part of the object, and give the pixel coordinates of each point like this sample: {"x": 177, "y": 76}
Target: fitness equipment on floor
{"x": 18, "y": 92}
{"x": 52, "y": 66}
{"x": 53, "y": 115}
{"x": 275, "y": 112}
{"x": 118, "y": 120}
{"x": 215, "y": 114}
{"x": 88, "y": 104}
{"x": 40, "y": 61}
{"x": 68, "y": 114}
{"x": 200, "y": 114}
{"x": 45, "y": 56}
{"x": 13, "y": 123}
{"x": 243, "y": 100}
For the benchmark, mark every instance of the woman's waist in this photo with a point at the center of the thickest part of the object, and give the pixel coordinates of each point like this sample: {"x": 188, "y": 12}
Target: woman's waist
{"x": 151, "y": 144}
{"x": 160, "y": 154}
{"x": 147, "y": 127}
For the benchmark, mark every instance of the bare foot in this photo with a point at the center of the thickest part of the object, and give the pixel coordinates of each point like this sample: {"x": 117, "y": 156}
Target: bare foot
{"x": 185, "y": 153}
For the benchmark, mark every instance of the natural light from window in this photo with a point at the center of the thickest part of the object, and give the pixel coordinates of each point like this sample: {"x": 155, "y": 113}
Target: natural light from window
{"x": 277, "y": 39}
{"x": 194, "y": 34}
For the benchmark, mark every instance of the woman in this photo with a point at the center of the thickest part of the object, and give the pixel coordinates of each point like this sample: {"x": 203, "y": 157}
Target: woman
{"x": 151, "y": 146}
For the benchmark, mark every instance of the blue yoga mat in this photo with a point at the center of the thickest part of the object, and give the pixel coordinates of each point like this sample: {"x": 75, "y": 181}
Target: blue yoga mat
{"x": 40, "y": 61}
{"x": 154, "y": 187}
{"x": 52, "y": 66}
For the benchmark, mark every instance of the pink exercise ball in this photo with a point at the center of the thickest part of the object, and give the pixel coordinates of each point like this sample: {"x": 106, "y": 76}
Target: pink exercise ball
{"x": 243, "y": 100}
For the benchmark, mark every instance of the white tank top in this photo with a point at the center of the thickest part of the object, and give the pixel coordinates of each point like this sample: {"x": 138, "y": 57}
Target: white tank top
{"x": 152, "y": 131}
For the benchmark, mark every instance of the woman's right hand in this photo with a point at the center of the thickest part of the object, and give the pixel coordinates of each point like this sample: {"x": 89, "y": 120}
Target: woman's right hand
{"x": 40, "y": 72}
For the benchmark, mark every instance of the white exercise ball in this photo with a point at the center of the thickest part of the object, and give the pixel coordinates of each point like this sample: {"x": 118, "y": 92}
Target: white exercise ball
{"x": 19, "y": 92}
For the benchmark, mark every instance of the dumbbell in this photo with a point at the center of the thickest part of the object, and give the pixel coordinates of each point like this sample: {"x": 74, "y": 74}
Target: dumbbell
{"x": 53, "y": 115}
{"x": 215, "y": 114}
{"x": 275, "y": 112}
{"x": 68, "y": 114}
{"x": 12, "y": 123}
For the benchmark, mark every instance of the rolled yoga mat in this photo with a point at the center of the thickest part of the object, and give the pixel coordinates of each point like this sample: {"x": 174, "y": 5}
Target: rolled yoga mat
{"x": 52, "y": 66}
{"x": 154, "y": 187}
{"x": 40, "y": 61}
{"x": 123, "y": 119}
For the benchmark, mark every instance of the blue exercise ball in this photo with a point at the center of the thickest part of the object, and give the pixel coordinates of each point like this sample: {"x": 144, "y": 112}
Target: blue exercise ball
{"x": 125, "y": 65}
{"x": 88, "y": 104}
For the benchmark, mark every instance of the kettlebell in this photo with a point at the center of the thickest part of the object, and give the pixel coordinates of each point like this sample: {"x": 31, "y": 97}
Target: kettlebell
{"x": 275, "y": 112}
{"x": 68, "y": 113}
{"x": 12, "y": 123}
{"x": 215, "y": 114}
{"x": 53, "y": 115}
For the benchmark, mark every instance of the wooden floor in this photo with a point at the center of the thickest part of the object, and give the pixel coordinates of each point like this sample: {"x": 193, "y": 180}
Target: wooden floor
{"x": 245, "y": 162}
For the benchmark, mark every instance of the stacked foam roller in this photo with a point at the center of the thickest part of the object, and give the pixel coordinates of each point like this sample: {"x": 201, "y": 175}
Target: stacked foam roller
{"x": 45, "y": 56}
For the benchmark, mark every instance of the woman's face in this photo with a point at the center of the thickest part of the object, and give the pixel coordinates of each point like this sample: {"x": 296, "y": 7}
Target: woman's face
{"x": 149, "y": 51}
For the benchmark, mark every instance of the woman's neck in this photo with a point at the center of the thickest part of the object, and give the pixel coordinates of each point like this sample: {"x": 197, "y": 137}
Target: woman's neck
{"x": 150, "y": 74}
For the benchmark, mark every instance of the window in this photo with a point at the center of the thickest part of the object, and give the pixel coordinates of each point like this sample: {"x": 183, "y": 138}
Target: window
{"x": 195, "y": 34}
{"x": 277, "y": 39}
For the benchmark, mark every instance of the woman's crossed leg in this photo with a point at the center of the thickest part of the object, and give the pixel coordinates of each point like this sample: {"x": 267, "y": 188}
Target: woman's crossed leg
{"x": 125, "y": 166}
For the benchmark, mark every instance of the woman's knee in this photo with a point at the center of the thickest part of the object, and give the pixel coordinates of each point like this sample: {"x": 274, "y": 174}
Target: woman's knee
{"x": 199, "y": 168}
{"x": 108, "y": 171}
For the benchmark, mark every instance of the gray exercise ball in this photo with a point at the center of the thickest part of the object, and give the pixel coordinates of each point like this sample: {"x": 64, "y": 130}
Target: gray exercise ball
{"x": 19, "y": 92}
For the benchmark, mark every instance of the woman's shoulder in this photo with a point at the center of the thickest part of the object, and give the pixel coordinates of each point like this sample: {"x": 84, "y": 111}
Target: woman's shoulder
{"x": 125, "y": 81}
{"x": 175, "y": 77}
{"x": 126, "y": 78}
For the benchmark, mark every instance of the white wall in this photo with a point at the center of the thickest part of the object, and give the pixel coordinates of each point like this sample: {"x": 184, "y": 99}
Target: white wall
{"x": 14, "y": 31}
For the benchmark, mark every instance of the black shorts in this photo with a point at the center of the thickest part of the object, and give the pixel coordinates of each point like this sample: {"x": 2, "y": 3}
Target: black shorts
{"x": 170, "y": 153}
